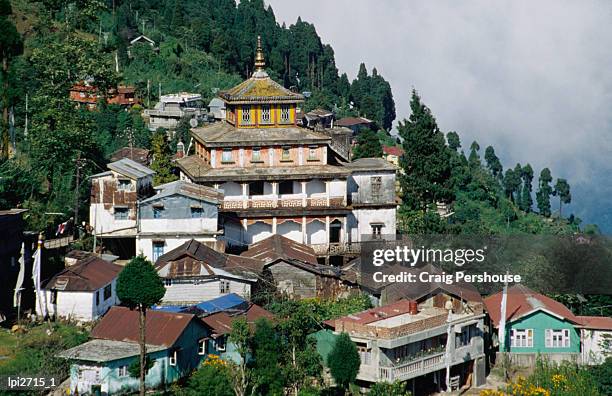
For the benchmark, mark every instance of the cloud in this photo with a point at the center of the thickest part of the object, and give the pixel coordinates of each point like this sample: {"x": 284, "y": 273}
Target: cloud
{"x": 533, "y": 79}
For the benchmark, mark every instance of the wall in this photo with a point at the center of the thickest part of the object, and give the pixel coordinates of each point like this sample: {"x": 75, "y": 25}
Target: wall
{"x": 293, "y": 281}
{"x": 539, "y": 321}
{"x": 592, "y": 352}
{"x": 176, "y": 216}
{"x": 185, "y": 291}
{"x": 144, "y": 244}
{"x": 360, "y": 187}
{"x": 359, "y": 222}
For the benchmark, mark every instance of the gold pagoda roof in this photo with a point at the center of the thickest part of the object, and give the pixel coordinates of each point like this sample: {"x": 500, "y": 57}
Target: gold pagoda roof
{"x": 260, "y": 88}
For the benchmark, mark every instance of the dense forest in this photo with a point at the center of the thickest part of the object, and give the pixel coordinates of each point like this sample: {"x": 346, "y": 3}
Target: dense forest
{"x": 200, "y": 46}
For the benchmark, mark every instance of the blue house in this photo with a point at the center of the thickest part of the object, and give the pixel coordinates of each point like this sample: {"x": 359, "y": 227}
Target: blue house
{"x": 176, "y": 345}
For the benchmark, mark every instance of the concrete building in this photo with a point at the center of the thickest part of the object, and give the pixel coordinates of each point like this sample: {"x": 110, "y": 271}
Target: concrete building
{"x": 178, "y": 213}
{"x": 194, "y": 272}
{"x": 175, "y": 345}
{"x": 170, "y": 109}
{"x": 216, "y": 109}
{"x": 595, "y": 334}
{"x": 437, "y": 344}
{"x": 82, "y": 292}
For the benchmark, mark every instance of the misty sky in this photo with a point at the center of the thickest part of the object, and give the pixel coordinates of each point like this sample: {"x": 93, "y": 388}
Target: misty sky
{"x": 534, "y": 79}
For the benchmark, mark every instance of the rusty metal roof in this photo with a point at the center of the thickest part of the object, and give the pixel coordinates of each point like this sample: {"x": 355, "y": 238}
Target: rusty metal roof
{"x": 88, "y": 274}
{"x": 191, "y": 190}
{"x": 221, "y": 322}
{"x": 131, "y": 169}
{"x": 278, "y": 246}
{"x": 162, "y": 328}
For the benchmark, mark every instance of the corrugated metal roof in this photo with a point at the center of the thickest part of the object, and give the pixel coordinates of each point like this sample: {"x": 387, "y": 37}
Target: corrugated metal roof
{"x": 88, "y": 274}
{"x": 596, "y": 322}
{"x": 100, "y": 351}
{"x": 521, "y": 301}
{"x": 370, "y": 164}
{"x": 230, "y": 301}
{"x": 277, "y": 246}
{"x": 129, "y": 168}
{"x": 191, "y": 190}
{"x": 221, "y": 322}
{"x": 162, "y": 328}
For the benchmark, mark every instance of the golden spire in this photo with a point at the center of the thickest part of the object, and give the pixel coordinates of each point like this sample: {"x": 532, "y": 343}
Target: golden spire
{"x": 260, "y": 62}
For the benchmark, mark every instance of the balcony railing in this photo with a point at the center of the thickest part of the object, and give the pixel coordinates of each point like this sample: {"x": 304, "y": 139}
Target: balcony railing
{"x": 412, "y": 368}
{"x": 334, "y": 249}
{"x": 266, "y": 202}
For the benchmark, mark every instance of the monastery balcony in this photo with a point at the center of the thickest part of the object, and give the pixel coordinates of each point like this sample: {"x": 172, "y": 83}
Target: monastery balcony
{"x": 336, "y": 249}
{"x": 283, "y": 201}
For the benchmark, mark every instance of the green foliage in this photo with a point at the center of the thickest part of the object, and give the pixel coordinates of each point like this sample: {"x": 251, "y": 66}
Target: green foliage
{"x": 138, "y": 285}
{"x": 564, "y": 379}
{"x": 267, "y": 371}
{"x": 493, "y": 162}
{"x": 162, "y": 159}
{"x": 426, "y": 165}
{"x": 210, "y": 379}
{"x": 372, "y": 95}
{"x": 344, "y": 361}
{"x": 602, "y": 374}
{"x": 562, "y": 190}
{"x": 544, "y": 192}
{"x": 387, "y": 389}
{"x": 134, "y": 367}
{"x": 368, "y": 145}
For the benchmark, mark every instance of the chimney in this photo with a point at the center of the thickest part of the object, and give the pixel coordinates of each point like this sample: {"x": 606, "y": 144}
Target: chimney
{"x": 413, "y": 307}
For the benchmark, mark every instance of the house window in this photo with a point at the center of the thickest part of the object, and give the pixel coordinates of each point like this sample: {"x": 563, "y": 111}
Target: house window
{"x": 312, "y": 153}
{"x": 521, "y": 338}
{"x": 157, "y": 212}
{"x": 202, "y": 347}
{"x": 227, "y": 156}
{"x": 557, "y": 338}
{"x": 375, "y": 184}
{"x": 285, "y": 187}
{"x": 284, "y": 114}
{"x": 256, "y": 156}
{"x": 376, "y": 230}
{"x": 197, "y": 213}
{"x": 224, "y": 287}
{"x": 173, "y": 358}
{"x": 221, "y": 343}
{"x": 123, "y": 371}
{"x": 108, "y": 291}
{"x": 121, "y": 213}
{"x": 286, "y": 154}
{"x": 168, "y": 282}
{"x": 265, "y": 114}
{"x": 125, "y": 185}
{"x": 158, "y": 250}
{"x": 246, "y": 115}
{"x": 256, "y": 188}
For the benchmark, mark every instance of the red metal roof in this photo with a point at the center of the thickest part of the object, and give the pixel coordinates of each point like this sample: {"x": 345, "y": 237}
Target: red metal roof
{"x": 350, "y": 121}
{"x": 221, "y": 322}
{"x": 521, "y": 301}
{"x": 374, "y": 314}
{"x": 393, "y": 150}
{"x": 88, "y": 274}
{"x": 162, "y": 328}
{"x": 596, "y": 322}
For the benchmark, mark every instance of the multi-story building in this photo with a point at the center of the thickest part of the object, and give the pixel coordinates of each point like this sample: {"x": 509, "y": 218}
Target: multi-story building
{"x": 436, "y": 344}
{"x": 88, "y": 95}
{"x": 277, "y": 177}
{"x": 170, "y": 109}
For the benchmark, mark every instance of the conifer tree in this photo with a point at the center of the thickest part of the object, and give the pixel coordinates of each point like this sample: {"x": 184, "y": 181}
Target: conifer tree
{"x": 562, "y": 190}
{"x": 368, "y": 145}
{"x": 162, "y": 159}
{"x": 426, "y": 165}
{"x": 474, "y": 158}
{"x": 493, "y": 162}
{"x": 526, "y": 201}
{"x": 344, "y": 361}
{"x": 512, "y": 181}
{"x": 453, "y": 141}
{"x": 544, "y": 192}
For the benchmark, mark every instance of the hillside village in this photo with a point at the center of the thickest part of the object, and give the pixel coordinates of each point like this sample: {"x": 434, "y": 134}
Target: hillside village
{"x": 229, "y": 255}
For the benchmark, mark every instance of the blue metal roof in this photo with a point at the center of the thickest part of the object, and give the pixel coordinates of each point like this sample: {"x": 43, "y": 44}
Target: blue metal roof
{"x": 218, "y": 304}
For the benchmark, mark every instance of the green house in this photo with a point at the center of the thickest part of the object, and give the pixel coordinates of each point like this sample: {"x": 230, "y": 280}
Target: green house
{"x": 535, "y": 324}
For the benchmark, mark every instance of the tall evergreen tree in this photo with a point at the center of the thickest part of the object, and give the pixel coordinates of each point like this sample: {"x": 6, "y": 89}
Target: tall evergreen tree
{"x": 453, "y": 141}
{"x": 344, "y": 361}
{"x": 425, "y": 162}
{"x": 562, "y": 190}
{"x": 512, "y": 181}
{"x": 526, "y": 200}
{"x": 474, "y": 158}
{"x": 544, "y": 192}
{"x": 162, "y": 159}
{"x": 368, "y": 145}
{"x": 493, "y": 163}
{"x": 267, "y": 375}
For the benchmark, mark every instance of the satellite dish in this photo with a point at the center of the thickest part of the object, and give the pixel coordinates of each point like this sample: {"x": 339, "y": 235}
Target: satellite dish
{"x": 193, "y": 122}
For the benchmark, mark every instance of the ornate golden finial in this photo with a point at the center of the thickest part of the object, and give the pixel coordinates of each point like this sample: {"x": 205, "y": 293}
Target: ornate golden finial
{"x": 260, "y": 62}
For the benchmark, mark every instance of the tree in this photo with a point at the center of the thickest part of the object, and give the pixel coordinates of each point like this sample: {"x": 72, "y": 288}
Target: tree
{"x": 452, "y": 138}
{"x": 425, "y": 162}
{"x": 240, "y": 336}
{"x": 493, "y": 162}
{"x": 344, "y": 361}
{"x": 211, "y": 379}
{"x": 474, "y": 158}
{"x": 544, "y": 192}
{"x": 267, "y": 374}
{"x": 162, "y": 159}
{"x": 139, "y": 287}
{"x": 368, "y": 145}
{"x": 526, "y": 201}
{"x": 512, "y": 181}
{"x": 386, "y": 389}
{"x": 10, "y": 46}
{"x": 562, "y": 190}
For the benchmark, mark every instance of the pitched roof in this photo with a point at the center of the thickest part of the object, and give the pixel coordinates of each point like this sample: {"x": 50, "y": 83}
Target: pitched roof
{"x": 100, "y": 351}
{"x": 129, "y": 168}
{"x": 279, "y": 247}
{"x": 375, "y": 314}
{"x": 137, "y": 154}
{"x": 350, "y": 121}
{"x": 221, "y": 322}
{"x": 194, "y": 258}
{"x": 260, "y": 88}
{"x": 88, "y": 274}
{"x": 596, "y": 322}
{"x": 162, "y": 328}
{"x": 370, "y": 164}
{"x": 191, "y": 190}
{"x": 522, "y": 301}
{"x": 393, "y": 150}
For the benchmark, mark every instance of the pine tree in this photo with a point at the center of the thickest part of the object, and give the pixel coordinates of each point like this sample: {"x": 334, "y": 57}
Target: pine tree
{"x": 368, "y": 145}
{"x": 526, "y": 201}
{"x": 426, "y": 165}
{"x": 562, "y": 190}
{"x": 544, "y": 192}
{"x": 493, "y": 162}
{"x": 512, "y": 181}
{"x": 453, "y": 141}
{"x": 344, "y": 361}
{"x": 162, "y": 159}
{"x": 474, "y": 158}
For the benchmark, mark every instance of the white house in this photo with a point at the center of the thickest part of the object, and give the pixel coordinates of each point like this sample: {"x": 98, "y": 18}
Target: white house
{"x": 178, "y": 213}
{"x": 171, "y": 108}
{"x": 83, "y": 292}
{"x": 194, "y": 272}
{"x": 596, "y": 339}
